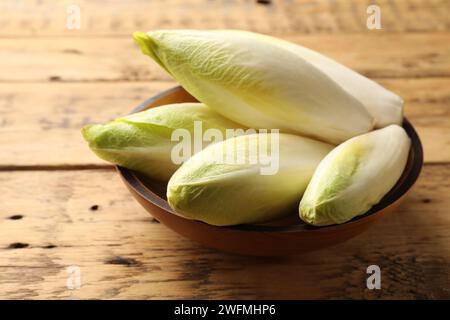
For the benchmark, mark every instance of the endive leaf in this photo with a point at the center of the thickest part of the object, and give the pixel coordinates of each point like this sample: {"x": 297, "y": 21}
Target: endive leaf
{"x": 355, "y": 176}
{"x": 207, "y": 189}
{"x": 385, "y": 106}
{"x": 143, "y": 141}
{"x": 257, "y": 83}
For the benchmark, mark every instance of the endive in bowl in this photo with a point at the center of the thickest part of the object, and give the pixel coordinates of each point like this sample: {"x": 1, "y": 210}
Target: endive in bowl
{"x": 282, "y": 237}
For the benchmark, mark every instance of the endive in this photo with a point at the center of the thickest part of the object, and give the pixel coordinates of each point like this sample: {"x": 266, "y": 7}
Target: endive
{"x": 258, "y": 82}
{"x": 143, "y": 141}
{"x": 222, "y": 193}
{"x": 355, "y": 176}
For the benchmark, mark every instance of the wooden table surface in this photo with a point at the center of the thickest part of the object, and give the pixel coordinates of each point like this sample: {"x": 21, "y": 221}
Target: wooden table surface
{"x": 60, "y": 206}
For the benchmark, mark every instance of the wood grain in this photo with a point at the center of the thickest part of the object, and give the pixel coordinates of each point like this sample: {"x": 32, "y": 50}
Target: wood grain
{"x": 57, "y": 211}
{"x": 40, "y": 123}
{"x": 99, "y": 17}
{"x": 122, "y": 253}
{"x": 377, "y": 55}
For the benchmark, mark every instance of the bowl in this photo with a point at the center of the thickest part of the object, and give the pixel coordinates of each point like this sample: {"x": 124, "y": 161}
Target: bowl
{"x": 283, "y": 237}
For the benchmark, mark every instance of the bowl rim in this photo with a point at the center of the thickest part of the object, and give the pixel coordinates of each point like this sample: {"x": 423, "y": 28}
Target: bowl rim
{"x": 132, "y": 179}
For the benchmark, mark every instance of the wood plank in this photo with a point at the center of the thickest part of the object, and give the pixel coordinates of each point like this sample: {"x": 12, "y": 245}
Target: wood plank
{"x": 45, "y": 17}
{"x": 47, "y": 224}
{"x": 427, "y": 106}
{"x": 40, "y": 123}
{"x": 376, "y": 55}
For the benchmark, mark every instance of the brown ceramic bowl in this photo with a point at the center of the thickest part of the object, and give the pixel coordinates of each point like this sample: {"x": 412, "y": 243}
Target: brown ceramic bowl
{"x": 284, "y": 237}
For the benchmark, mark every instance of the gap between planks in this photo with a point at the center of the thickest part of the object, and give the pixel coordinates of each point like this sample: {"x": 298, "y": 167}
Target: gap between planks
{"x": 126, "y": 80}
{"x": 277, "y": 35}
{"x": 63, "y": 167}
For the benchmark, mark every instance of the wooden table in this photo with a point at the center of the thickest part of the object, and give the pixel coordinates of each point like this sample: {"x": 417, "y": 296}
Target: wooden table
{"x": 60, "y": 206}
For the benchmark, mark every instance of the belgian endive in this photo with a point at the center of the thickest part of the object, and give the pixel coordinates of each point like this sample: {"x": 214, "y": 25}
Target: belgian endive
{"x": 263, "y": 83}
{"x": 143, "y": 141}
{"x": 355, "y": 176}
{"x": 247, "y": 179}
